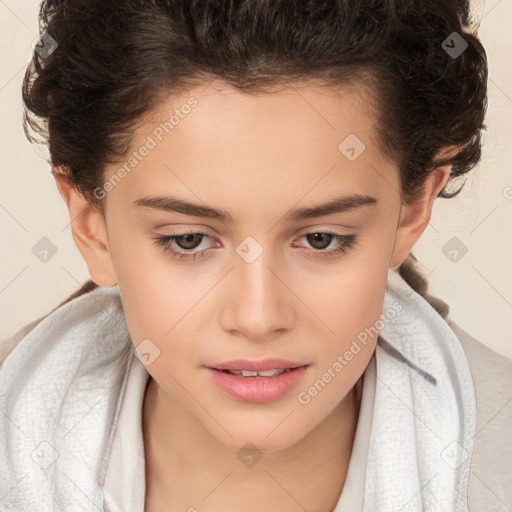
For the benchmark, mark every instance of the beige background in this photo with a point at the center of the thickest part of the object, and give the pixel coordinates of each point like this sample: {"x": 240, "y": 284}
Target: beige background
{"x": 478, "y": 287}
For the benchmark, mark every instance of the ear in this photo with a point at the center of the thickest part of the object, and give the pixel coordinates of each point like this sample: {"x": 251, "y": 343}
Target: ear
{"x": 416, "y": 214}
{"x": 89, "y": 231}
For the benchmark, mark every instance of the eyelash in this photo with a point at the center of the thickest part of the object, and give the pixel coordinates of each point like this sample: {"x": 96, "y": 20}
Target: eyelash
{"x": 347, "y": 243}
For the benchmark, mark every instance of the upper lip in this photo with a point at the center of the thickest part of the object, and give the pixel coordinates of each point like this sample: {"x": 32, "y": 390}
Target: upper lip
{"x": 261, "y": 365}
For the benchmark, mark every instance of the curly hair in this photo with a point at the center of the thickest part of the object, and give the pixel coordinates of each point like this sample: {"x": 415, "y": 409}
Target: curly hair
{"x": 116, "y": 61}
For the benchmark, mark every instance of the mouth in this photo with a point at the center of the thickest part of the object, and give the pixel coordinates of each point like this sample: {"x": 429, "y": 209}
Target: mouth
{"x": 275, "y": 372}
{"x": 257, "y": 386}
{"x": 261, "y": 366}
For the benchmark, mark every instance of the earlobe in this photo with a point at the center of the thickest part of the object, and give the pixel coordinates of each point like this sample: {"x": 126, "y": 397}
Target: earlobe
{"x": 89, "y": 231}
{"x": 416, "y": 214}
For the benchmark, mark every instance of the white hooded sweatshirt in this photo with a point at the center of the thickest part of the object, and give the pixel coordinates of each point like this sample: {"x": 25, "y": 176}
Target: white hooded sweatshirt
{"x": 434, "y": 431}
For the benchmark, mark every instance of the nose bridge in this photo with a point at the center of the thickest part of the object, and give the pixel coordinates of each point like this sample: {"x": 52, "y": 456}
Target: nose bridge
{"x": 258, "y": 303}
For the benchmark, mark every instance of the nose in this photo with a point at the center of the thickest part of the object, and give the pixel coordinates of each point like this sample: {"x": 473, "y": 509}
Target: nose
{"x": 260, "y": 303}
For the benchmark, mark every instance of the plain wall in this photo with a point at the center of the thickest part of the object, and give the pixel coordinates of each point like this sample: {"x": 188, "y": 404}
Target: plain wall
{"x": 478, "y": 286}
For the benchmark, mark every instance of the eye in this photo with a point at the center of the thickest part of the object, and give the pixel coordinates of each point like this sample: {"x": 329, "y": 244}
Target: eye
{"x": 187, "y": 244}
{"x": 185, "y": 241}
{"x": 318, "y": 241}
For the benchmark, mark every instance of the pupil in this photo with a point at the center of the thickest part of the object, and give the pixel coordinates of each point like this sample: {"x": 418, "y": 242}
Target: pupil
{"x": 189, "y": 240}
{"x": 318, "y": 238}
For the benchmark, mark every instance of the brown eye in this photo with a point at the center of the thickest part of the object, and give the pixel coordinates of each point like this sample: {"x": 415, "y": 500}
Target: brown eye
{"x": 186, "y": 244}
{"x": 319, "y": 240}
{"x": 188, "y": 241}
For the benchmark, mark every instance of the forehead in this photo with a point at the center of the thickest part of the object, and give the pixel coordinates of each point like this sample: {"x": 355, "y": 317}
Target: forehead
{"x": 220, "y": 109}
{"x": 292, "y": 140}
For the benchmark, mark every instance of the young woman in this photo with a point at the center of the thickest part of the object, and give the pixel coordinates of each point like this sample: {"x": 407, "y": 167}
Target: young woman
{"x": 246, "y": 181}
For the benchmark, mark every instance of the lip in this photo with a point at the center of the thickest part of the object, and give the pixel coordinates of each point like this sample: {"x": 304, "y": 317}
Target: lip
{"x": 257, "y": 389}
{"x": 261, "y": 365}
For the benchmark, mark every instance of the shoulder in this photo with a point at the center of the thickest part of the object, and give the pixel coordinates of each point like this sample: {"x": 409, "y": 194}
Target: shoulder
{"x": 480, "y": 356}
{"x": 491, "y": 371}
{"x": 490, "y": 481}
{"x": 8, "y": 344}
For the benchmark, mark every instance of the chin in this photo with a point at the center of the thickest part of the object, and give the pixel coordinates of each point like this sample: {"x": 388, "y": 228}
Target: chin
{"x": 265, "y": 436}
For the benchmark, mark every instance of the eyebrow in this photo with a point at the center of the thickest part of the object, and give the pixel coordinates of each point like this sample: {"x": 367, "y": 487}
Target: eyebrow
{"x": 174, "y": 204}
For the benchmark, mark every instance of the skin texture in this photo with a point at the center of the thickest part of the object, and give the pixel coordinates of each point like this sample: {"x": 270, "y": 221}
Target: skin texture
{"x": 256, "y": 157}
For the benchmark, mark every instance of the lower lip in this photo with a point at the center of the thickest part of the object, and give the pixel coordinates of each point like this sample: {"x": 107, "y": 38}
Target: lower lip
{"x": 257, "y": 389}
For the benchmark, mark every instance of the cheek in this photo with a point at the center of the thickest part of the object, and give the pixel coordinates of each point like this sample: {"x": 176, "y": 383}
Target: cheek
{"x": 351, "y": 310}
{"x": 162, "y": 310}
{"x": 362, "y": 304}
{"x": 146, "y": 293}
{"x": 363, "y": 287}
{"x": 353, "y": 317}
{"x": 350, "y": 299}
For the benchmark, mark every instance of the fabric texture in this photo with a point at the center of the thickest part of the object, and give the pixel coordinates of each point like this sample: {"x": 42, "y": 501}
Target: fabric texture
{"x": 424, "y": 415}
{"x": 125, "y": 481}
{"x": 71, "y": 390}
{"x": 60, "y": 390}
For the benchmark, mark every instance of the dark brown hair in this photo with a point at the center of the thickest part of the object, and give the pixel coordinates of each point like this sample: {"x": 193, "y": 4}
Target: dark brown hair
{"x": 117, "y": 60}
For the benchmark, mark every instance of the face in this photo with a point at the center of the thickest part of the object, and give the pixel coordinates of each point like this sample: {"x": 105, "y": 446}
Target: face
{"x": 254, "y": 270}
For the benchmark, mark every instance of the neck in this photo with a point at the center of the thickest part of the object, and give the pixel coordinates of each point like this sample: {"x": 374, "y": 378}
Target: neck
{"x": 187, "y": 467}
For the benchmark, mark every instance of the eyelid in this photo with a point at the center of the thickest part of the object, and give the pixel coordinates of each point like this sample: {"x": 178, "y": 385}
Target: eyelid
{"x": 346, "y": 242}
{"x": 319, "y": 228}
{"x": 200, "y": 229}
